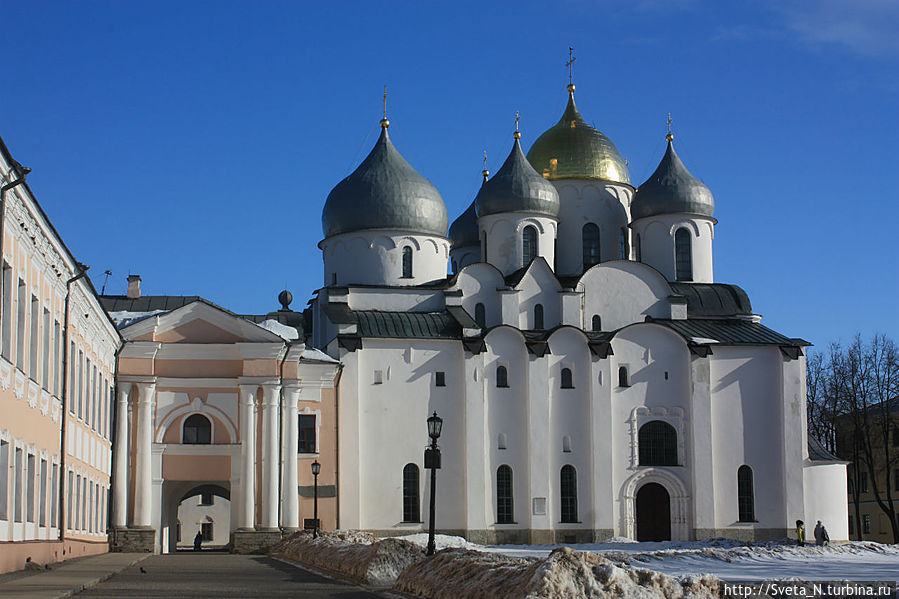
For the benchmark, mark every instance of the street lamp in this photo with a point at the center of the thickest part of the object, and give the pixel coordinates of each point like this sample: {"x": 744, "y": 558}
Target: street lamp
{"x": 432, "y": 461}
{"x": 316, "y": 468}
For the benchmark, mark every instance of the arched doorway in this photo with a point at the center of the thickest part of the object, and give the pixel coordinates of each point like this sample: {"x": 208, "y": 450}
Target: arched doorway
{"x": 191, "y": 507}
{"x": 653, "y": 513}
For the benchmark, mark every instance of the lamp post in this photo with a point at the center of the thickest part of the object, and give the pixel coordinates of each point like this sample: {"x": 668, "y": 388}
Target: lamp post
{"x": 316, "y": 468}
{"x": 432, "y": 461}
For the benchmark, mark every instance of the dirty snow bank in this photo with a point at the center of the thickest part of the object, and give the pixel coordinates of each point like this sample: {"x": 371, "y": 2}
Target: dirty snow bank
{"x": 441, "y": 541}
{"x": 351, "y": 553}
{"x": 465, "y": 574}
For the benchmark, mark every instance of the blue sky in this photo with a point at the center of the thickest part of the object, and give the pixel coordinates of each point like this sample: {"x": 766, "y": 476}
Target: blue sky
{"x": 194, "y": 143}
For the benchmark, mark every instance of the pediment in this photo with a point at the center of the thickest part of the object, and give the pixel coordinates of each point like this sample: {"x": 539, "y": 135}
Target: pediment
{"x": 199, "y": 322}
{"x": 539, "y": 275}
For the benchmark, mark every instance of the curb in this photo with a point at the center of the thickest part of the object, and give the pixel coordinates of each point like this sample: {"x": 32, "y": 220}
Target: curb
{"x": 99, "y": 579}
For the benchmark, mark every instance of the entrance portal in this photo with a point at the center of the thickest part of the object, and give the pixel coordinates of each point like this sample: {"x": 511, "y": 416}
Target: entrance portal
{"x": 208, "y": 513}
{"x": 653, "y": 513}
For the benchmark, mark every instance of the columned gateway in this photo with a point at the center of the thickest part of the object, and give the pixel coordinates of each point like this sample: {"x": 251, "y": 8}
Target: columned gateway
{"x": 208, "y": 407}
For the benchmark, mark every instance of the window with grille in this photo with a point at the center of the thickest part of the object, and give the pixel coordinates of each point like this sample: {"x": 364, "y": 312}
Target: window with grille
{"x": 538, "y": 316}
{"x": 504, "y": 495}
{"x": 206, "y": 530}
{"x": 480, "y": 315}
{"x": 407, "y": 262}
{"x": 657, "y": 441}
{"x": 590, "y": 235}
{"x": 411, "y": 486}
{"x": 306, "y": 434}
{"x": 567, "y": 382}
{"x": 502, "y": 376}
{"x": 197, "y": 430}
{"x": 568, "y": 489}
{"x": 596, "y": 324}
{"x": 683, "y": 256}
{"x": 745, "y": 494}
{"x": 528, "y": 245}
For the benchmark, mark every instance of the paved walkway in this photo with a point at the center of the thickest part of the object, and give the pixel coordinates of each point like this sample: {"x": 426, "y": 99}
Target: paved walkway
{"x": 211, "y": 574}
{"x": 67, "y": 578}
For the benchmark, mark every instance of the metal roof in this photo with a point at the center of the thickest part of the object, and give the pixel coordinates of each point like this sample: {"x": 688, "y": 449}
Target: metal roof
{"x": 672, "y": 189}
{"x": 727, "y": 332}
{"x": 713, "y": 299}
{"x": 464, "y": 230}
{"x": 408, "y": 325}
{"x": 517, "y": 187}
{"x": 148, "y": 303}
{"x": 817, "y": 453}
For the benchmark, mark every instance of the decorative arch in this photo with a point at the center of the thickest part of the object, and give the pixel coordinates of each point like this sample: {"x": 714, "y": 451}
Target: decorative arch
{"x": 197, "y": 406}
{"x": 677, "y": 491}
{"x": 410, "y": 240}
{"x": 536, "y": 223}
{"x": 670, "y": 415}
{"x": 686, "y": 224}
{"x": 433, "y": 244}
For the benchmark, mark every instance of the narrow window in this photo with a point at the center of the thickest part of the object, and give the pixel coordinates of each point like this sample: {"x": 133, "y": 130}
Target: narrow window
{"x": 504, "y": 495}
{"x": 33, "y": 339}
{"x": 597, "y": 323}
{"x": 42, "y": 506}
{"x": 306, "y": 434}
{"x": 4, "y": 480}
{"x": 622, "y": 243}
{"x": 528, "y": 245}
{"x": 483, "y": 247}
{"x": 480, "y": 315}
{"x": 70, "y": 491}
{"x": 866, "y": 523}
{"x": 622, "y": 377}
{"x": 538, "y": 316}
{"x": 411, "y": 486}
{"x": 54, "y": 499}
{"x": 56, "y": 357}
{"x": 6, "y": 312}
{"x": 206, "y": 499}
{"x": 178, "y": 530}
{"x": 566, "y": 379}
{"x": 378, "y": 377}
{"x": 566, "y": 444}
{"x": 851, "y": 527}
{"x": 17, "y": 484}
{"x": 440, "y": 379}
{"x": 45, "y": 354}
{"x": 71, "y": 393}
{"x": 29, "y": 488}
{"x": 20, "y": 325}
{"x": 501, "y": 441}
{"x": 80, "y": 384}
{"x": 568, "y": 489}
{"x": 407, "y": 262}
{"x": 638, "y": 248}
{"x": 745, "y": 494}
{"x": 502, "y": 377}
{"x": 197, "y": 430}
{"x": 657, "y": 442}
{"x": 590, "y": 235}
{"x": 683, "y": 256}
{"x": 206, "y": 531}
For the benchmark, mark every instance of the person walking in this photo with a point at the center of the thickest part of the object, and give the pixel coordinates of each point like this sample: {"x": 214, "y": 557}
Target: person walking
{"x": 821, "y": 536}
{"x": 198, "y": 540}
{"x": 800, "y": 532}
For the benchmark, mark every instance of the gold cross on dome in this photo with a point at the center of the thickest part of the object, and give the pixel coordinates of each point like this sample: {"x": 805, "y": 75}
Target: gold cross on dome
{"x": 570, "y": 65}
{"x": 670, "y": 136}
{"x": 517, "y": 117}
{"x": 385, "y": 101}
{"x": 485, "y": 160}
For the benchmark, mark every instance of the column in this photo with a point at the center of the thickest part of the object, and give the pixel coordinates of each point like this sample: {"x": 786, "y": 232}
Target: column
{"x": 269, "y": 410}
{"x": 143, "y": 485}
{"x": 120, "y": 475}
{"x": 247, "y": 504}
{"x": 290, "y": 504}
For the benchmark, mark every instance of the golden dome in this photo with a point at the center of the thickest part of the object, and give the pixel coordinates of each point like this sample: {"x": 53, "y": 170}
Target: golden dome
{"x": 572, "y": 149}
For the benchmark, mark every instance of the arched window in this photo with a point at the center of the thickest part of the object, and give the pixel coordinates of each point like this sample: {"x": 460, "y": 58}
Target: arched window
{"x": 622, "y": 377}
{"x": 407, "y": 262}
{"x": 590, "y": 235}
{"x": 568, "y": 489}
{"x": 502, "y": 376}
{"x": 528, "y": 245}
{"x": 657, "y": 441}
{"x": 410, "y": 493}
{"x": 683, "y": 256}
{"x": 638, "y": 248}
{"x": 504, "y": 495}
{"x": 622, "y": 243}
{"x": 566, "y": 379}
{"x": 197, "y": 430}
{"x": 597, "y": 323}
{"x": 480, "y": 315}
{"x": 538, "y": 316}
{"x": 745, "y": 494}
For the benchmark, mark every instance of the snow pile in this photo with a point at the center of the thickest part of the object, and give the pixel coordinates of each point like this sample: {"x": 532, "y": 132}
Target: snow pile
{"x": 465, "y": 574}
{"x": 356, "y": 555}
{"x": 283, "y": 331}
{"x": 441, "y": 541}
{"x": 125, "y": 318}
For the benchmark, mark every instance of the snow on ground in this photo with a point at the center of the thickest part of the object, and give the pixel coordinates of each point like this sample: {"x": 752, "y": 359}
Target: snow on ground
{"x": 733, "y": 560}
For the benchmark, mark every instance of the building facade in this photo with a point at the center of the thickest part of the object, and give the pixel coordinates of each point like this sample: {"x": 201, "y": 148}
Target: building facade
{"x": 57, "y": 364}
{"x": 593, "y": 378}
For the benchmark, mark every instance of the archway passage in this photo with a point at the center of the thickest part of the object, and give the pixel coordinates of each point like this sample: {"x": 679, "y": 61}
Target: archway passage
{"x": 653, "y": 513}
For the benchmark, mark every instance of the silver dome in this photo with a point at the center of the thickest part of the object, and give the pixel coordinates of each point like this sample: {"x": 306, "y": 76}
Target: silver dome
{"x": 517, "y": 187}
{"x": 464, "y": 230}
{"x": 385, "y": 192}
{"x": 672, "y": 189}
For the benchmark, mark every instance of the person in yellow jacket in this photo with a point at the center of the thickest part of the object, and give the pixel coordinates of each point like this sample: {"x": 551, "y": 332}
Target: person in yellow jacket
{"x": 800, "y": 532}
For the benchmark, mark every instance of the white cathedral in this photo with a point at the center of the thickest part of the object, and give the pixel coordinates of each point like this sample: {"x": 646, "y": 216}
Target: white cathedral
{"x": 593, "y": 378}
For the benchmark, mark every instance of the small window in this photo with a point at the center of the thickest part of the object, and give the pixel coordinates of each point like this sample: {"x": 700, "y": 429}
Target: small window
{"x": 569, "y": 493}
{"x": 566, "y": 444}
{"x": 306, "y": 434}
{"x": 206, "y": 530}
{"x": 622, "y": 243}
{"x": 866, "y": 523}
{"x": 378, "y": 377}
{"x": 683, "y": 255}
{"x": 206, "y": 499}
{"x": 411, "y": 512}
{"x": 501, "y": 441}
{"x": 638, "y": 248}
{"x": 407, "y": 262}
{"x": 745, "y": 494}
{"x": 590, "y": 236}
{"x": 502, "y": 377}
{"x": 504, "y": 495}
{"x": 538, "y": 317}
{"x": 480, "y": 315}
{"x": 197, "y": 430}
{"x": 596, "y": 324}
{"x": 333, "y": 278}
{"x": 567, "y": 379}
{"x": 657, "y": 443}
{"x": 622, "y": 377}
{"x": 440, "y": 379}
{"x": 528, "y": 245}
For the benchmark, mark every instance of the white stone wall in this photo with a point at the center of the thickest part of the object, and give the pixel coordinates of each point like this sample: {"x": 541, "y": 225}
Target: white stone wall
{"x": 375, "y": 257}
{"x": 657, "y": 243}
{"x": 504, "y": 238}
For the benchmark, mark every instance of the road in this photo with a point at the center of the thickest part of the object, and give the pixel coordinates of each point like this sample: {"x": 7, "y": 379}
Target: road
{"x": 211, "y": 574}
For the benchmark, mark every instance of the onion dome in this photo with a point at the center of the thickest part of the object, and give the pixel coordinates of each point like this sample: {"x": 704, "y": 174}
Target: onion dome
{"x": 385, "y": 192}
{"x": 464, "y": 230}
{"x": 572, "y": 149}
{"x": 671, "y": 189}
{"x": 517, "y": 187}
